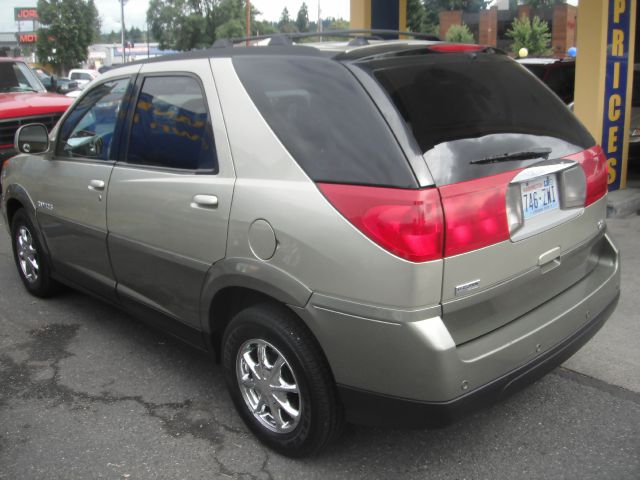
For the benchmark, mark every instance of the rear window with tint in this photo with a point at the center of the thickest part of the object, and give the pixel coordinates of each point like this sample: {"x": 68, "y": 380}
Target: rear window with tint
{"x": 325, "y": 119}
{"x": 463, "y": 107}
{"x": 458, "y": 99}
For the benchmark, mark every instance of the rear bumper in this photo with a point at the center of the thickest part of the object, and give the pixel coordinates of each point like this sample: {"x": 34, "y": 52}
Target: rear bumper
{"x": 403, "y": 367}
{"x": 368, "y": 408}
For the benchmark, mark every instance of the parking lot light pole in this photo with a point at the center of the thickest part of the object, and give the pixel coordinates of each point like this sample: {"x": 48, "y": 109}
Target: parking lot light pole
{"x": 122, "y": 33}
{"x": 248, "y": 29}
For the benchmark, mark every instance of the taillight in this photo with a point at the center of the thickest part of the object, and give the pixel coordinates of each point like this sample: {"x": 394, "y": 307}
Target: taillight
{"x": 594, "y": 164}
{"x": 475, "y": 213}
{"x": 455, "y": 47}
{"x": 407, "y": 223}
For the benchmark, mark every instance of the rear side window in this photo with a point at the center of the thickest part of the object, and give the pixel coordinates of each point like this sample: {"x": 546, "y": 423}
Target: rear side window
{"x": 171, "y": 127}
{"x": 325, "y": 119}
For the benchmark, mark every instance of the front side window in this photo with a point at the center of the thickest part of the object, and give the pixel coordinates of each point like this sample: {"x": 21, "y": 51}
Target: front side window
{"x": 89, "y": 129}
{"x": 171, "y": 126}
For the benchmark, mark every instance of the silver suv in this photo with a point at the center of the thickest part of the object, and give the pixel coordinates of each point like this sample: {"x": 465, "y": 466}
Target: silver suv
{"x": 393, "y": 233}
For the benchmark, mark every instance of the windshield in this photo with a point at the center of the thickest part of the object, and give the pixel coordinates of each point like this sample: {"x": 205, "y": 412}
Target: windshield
{"x": 17, "y": 77}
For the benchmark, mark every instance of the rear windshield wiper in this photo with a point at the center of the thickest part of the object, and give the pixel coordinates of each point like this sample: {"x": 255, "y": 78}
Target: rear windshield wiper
{"x": 507, "y": 157}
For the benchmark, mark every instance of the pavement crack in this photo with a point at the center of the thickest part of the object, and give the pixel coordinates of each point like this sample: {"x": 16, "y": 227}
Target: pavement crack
{"x": 581, "y": 378}
{"x": 47, "y": 347}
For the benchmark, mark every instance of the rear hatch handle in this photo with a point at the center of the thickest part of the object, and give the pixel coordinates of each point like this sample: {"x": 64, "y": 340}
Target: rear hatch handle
{"x": 549, "y": 260}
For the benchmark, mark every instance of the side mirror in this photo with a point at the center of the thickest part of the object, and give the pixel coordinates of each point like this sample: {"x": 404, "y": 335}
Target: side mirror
{"x": 32, "y": 138}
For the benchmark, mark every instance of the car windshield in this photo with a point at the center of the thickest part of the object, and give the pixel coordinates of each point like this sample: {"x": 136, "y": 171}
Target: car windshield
{"x": 17, "y": 77}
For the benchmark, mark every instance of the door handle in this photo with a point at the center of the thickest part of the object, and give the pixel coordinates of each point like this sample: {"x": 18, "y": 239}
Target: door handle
{"x": 204, "y": 201}
{"x": 96, "y": 185}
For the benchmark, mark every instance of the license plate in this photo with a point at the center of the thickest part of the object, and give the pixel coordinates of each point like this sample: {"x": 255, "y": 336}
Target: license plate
{"x": 539, "y": 195}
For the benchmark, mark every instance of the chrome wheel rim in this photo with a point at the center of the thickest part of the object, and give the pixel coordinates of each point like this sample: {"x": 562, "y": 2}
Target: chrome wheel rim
{"x": 27, "y": 255}
{"x": 268, "y": 386}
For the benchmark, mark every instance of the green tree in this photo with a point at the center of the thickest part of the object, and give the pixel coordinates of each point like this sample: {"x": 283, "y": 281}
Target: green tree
{"x": 338, "y": 24}
{"x": 459, "y": 34}
{"x": 181, "y": 24}
{"x": 542, "y": 3}
{"x": 431, "y": 19}
{"x": 464, "y": 5}
{"x": 233, "y": 28}
{"x": 68, "y": 27}
{"x": 302, "y": 20}
{"x": 264, "y": 27}
{"x": 284, "y": 18}
{"x": 531, "y": 34}
{"x": 416, "y": 15}
{"x": 96, "y": 23}
{"x": 189, "y": 24}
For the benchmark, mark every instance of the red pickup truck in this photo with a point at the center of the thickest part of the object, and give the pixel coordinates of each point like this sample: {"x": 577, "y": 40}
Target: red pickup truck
{"x": 23, "y": 99}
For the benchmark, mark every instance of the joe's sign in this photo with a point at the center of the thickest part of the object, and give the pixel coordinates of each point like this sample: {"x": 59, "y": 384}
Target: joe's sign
{"x": 22, "y": 14}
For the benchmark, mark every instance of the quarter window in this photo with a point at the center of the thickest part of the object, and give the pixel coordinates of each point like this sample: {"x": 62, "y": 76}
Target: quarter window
{"x": 171, "y": 126}
{"x": 89, "y": 129}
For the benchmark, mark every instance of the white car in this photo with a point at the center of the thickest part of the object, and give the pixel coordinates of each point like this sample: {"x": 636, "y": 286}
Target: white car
{"x": 82, "y": 76}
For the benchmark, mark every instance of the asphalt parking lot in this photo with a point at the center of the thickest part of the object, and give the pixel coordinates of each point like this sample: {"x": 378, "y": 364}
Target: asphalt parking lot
{"x": 88, "y": 392}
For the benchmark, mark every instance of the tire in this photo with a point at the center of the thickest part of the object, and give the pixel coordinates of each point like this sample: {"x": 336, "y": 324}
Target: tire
{"x": 287, "y": 397}
{"x": 31, "y": 260}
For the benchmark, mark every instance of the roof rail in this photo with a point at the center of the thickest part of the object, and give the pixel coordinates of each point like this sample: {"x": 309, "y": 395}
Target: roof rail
{"x": 288, "y": 38}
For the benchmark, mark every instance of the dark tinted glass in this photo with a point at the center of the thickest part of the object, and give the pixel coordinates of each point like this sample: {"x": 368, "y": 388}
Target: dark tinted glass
{"x": 463, "y": 108}
{"x": 89, "y": 130}
{"x": 537, "y": 69}
{"x": 171, "y": 127}
{"x": 447, "y": 101}
{"x": 561, "y": 79}
{"x": 325, "y": 120}
{"x": 635, "y": 94}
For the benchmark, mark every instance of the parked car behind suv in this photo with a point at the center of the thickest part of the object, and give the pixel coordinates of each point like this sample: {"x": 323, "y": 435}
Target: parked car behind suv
{"x": 23, "y": 99}
{"x": 391, "y": 234}
{"x": 55, "y": 84}
{"x": 83, "y": 76}
{"x": 558, "y": 74}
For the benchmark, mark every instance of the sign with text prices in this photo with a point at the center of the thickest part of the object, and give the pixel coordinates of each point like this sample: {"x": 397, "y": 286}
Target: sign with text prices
{"x": 615, "y": 89}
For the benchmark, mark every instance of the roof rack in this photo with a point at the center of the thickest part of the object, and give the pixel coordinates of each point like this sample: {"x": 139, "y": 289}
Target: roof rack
{"x": 288, "y": 38}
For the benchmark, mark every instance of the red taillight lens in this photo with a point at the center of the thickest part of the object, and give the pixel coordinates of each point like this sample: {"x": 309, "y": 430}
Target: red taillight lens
{"x": 455, "y": 47}
{"x": 475, "y": 213}
{"x": 594, "y": 164}
{"x": 407, "y": 223}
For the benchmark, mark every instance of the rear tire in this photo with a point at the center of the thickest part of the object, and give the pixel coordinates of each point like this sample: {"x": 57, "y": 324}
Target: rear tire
{"x": 280, "y": 381}
{"x": 30, "y": 257}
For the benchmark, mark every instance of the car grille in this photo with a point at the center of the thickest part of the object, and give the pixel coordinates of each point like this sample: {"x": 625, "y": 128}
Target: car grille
{"x": 8, "y": 127}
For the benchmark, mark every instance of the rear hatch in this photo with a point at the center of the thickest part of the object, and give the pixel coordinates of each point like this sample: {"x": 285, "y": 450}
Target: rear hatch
{"x": 520, "y": 179}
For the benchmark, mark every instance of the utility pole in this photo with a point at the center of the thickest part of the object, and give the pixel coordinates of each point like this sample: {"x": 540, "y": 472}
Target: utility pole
{"x": 319, "y": 20}
{"x": 248, "y": 30}
{"x": 124, "y": 59}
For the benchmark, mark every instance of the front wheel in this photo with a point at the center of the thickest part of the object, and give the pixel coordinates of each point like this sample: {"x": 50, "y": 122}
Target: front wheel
{"x": 30, "y": 257}
{"x": 280, "y": 382}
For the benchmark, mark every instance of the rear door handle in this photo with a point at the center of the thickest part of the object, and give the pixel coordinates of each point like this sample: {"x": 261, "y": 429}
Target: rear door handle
{"x": 204, "y": 201}
{"x": 96, "y": 185}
